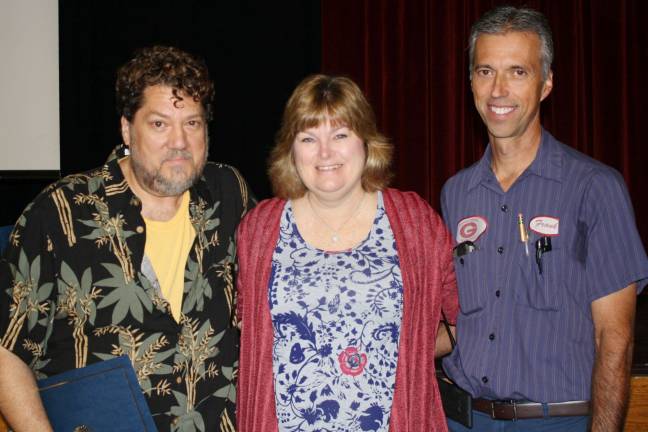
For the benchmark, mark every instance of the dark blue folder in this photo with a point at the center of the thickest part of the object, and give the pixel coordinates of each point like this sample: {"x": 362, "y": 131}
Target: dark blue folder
{"x": 104, "y": 396}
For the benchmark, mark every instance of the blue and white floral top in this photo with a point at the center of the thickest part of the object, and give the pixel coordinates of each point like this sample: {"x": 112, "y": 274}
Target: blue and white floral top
{"x": 336, "y": 319}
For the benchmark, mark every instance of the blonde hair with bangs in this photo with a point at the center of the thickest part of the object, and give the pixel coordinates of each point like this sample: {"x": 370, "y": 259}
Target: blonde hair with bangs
{"x": 317, "y": 99}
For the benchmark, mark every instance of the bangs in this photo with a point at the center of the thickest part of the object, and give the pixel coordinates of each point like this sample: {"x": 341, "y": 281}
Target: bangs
{"x": 325, "y": 101}
{"x": 312, "y": 117}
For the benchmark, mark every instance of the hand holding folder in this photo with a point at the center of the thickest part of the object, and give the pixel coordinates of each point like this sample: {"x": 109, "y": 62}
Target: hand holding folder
{"x": 104, "y": 396}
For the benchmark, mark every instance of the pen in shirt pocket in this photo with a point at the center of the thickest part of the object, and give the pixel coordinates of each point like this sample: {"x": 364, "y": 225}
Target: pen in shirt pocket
{"x": 524, "y": 235}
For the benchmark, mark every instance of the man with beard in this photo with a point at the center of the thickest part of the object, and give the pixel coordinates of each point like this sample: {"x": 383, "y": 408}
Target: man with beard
{"x": 133, "y": 258}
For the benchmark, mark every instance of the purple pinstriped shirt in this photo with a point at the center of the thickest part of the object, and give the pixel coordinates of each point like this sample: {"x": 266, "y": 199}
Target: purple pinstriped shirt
{"x": 523, "y": 333}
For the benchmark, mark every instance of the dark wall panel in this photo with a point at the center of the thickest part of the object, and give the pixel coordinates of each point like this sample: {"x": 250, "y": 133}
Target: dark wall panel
{"x": 257, "y": 52}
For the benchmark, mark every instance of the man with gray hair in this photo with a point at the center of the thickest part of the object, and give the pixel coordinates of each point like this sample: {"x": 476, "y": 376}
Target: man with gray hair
{"x": 548, "y": 257}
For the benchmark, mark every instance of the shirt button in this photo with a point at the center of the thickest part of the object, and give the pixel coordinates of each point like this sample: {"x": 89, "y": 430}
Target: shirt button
{"x": 500, "y": 250}
{"x": 491, "y": 336}
{"x": 497, "y": 293}
{"x": 484, "y": 380}
{"x": 139, "y": 229}
{"x": 504, "y": 208}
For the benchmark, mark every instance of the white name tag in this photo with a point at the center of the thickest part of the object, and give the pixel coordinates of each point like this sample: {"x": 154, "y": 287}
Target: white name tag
{"x": 470, "y": 228}
{"x": 545, "y": 225}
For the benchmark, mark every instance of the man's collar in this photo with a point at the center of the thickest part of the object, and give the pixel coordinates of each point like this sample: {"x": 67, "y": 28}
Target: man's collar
{"x": 118, "y": 193}
{"x": 547, "y": 163}
{"x": 482, "y": 172}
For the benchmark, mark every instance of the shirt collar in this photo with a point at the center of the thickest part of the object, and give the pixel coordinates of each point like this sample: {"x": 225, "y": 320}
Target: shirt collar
{"x": 547, "y": 163}
{"x": 549, "y": 160}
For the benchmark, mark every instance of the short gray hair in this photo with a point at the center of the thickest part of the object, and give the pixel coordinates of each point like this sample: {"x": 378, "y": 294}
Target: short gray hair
{"x": 505, "y": 19}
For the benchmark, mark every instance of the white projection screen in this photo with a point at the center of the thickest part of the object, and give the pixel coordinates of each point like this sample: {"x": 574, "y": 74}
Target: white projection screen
{"x": 29, "y": 82}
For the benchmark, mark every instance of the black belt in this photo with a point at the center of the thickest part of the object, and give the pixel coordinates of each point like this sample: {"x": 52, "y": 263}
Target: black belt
{"x": 512, "y": 410}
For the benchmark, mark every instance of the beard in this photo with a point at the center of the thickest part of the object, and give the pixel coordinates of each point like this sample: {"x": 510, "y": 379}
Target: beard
{"x": 176, "y": 181}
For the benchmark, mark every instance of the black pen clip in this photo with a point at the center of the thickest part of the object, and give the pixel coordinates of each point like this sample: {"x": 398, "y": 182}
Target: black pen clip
{"x": 543, "y": 244}
{"x": 462, "y": 249}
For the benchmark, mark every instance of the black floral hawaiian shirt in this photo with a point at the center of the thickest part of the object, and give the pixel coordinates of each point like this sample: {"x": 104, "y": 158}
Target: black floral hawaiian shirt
{"x": 76, "y": 288}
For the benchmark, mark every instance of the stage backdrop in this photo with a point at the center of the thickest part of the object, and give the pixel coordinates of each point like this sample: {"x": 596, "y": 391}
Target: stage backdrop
{"x": 257, "y": 51}
{"x": 411, "y": 59}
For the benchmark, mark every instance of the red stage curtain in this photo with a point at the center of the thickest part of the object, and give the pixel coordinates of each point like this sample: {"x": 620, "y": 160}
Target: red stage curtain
{"x": 410, "y": 57}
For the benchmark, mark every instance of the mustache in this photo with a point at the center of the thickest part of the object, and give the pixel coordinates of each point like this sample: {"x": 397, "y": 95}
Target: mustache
{"x": 177, "y": 154}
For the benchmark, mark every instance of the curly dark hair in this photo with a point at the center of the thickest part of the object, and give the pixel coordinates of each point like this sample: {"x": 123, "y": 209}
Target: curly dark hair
{"x": 162, "y": 65}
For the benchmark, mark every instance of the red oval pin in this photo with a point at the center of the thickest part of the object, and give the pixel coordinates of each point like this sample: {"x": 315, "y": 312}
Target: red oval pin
{"x": 471, "y": 228}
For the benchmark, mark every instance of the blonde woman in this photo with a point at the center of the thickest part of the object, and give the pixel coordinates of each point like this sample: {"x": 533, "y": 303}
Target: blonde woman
{"x": 341, "y": 281}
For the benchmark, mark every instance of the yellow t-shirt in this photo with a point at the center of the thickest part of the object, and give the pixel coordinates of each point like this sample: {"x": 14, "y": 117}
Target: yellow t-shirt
{"x": 167, "y": 247}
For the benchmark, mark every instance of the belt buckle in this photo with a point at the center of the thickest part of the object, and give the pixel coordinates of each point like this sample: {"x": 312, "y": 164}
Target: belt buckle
{"x": 515, "y": 417}
{"x": 511, "y": 402}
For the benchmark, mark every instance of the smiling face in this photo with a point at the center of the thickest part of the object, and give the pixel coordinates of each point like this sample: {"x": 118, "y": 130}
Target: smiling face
{"x": 168, "y": 142}
{"x": 329, "y": 160}
{"x": 508, "y": 86}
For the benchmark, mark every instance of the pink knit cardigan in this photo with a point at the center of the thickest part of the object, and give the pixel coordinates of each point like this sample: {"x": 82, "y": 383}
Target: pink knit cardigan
{"x": 424, "y": 249}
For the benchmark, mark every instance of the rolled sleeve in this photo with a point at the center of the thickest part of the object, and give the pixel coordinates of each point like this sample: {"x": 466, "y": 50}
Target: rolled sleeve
{"x": 615, "y": 254}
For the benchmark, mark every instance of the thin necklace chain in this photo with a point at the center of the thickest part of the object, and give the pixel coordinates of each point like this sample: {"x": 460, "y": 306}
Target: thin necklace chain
{"x": 335, "y": 237}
